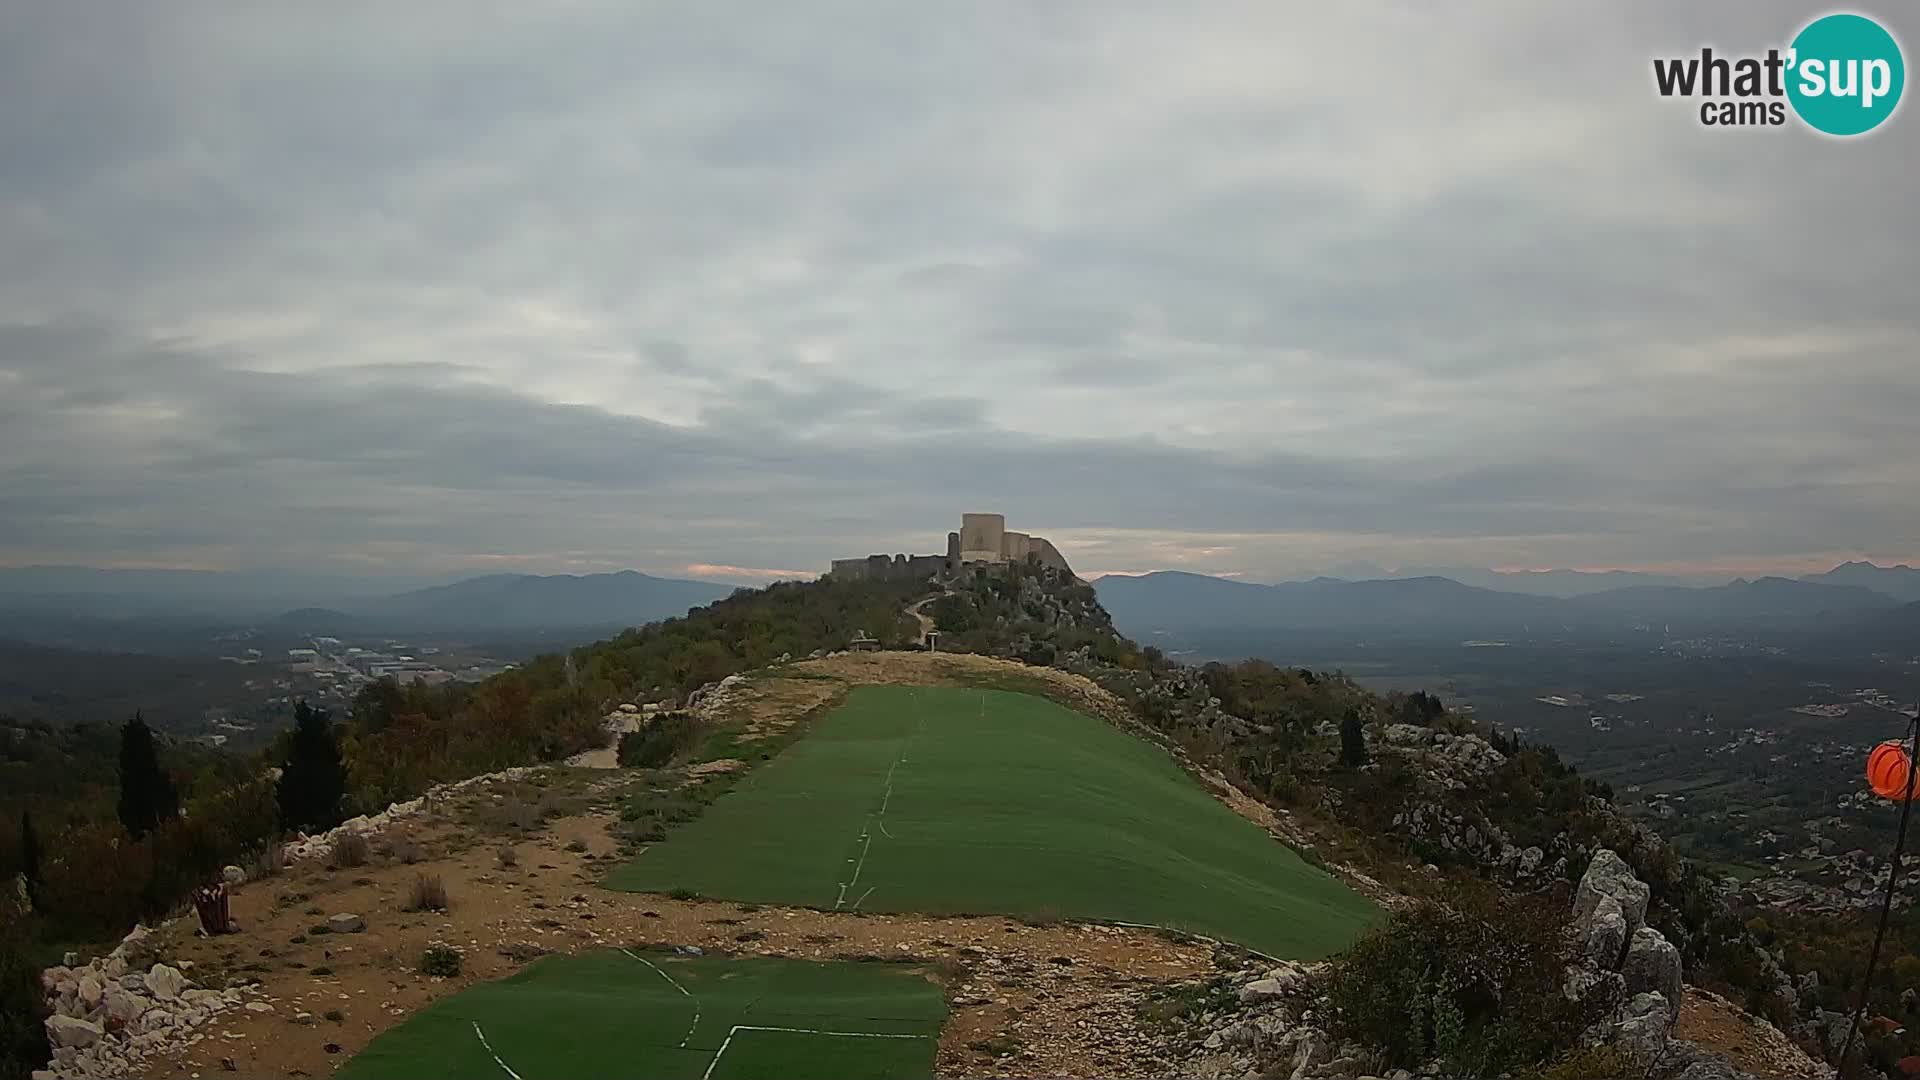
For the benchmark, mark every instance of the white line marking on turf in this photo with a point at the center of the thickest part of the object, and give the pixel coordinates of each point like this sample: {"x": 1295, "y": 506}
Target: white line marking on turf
{"x": 867, "y": 836}
{"x": 863, "y": 897}
{"x": 496, "y": 1057}
{"x": 738, "y": 1028}
{"x": 676, "y": 986}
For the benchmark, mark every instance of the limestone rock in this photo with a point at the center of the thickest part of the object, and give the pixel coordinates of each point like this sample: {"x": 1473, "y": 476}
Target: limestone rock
{"x": 233, "y": 875}
{"x": 1606, "y": 935}
{"x": 1264, "y": 990}
{"x": 124, "y": 1007}
{"x": 1653, "y": 965}
{"x": 346, "y": 923}
{"x": 71, "y": 1031}
{"x": 1641, "y": 1033}
{"x": 1406, "y": 735}
{"x": 165, "y": 982}
{"x": 91, "y": 991}
{"x": 1609, "y": 875}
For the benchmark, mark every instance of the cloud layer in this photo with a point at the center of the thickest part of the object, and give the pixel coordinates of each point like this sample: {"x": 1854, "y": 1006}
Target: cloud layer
{"x": 1237, "y": 289}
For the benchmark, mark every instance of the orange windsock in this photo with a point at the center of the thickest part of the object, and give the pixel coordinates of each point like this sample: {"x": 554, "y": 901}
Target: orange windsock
{"x": 1889, "y": 771}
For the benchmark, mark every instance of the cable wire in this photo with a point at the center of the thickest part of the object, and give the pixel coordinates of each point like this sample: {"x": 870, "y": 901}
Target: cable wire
{"x": 1886, "y": 903}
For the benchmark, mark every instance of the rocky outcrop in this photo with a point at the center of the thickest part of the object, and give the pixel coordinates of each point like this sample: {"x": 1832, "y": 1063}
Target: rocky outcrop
{"x": 1640, "y": 969}
{"x": 1604, "y": 935}
{"x": 1652, "y": 965}
{"x": 1608, "y": 875}
{"x": 1640, "y": 1029}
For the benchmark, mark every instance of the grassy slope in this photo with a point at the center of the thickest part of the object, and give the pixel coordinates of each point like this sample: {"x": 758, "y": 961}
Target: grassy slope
{"x": 999, "y": 803}
{"x": 608, "y": 1014}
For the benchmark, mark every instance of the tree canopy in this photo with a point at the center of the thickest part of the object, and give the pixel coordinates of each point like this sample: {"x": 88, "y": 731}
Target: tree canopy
{"x": 147, "y": 795}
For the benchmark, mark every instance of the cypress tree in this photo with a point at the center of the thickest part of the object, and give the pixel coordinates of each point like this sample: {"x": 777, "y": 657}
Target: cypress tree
{"x": 30, "y": 855}
{"x": 147, "y": 796}
{"x": 313, "y": 782}
{"x": 1353, "y": 741}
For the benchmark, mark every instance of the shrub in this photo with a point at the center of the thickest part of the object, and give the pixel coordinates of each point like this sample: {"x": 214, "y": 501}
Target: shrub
{"x": 350, "y": 851}
{"x": 429, "y": 893}
{"x": 334, "y": 1016}
{"x": 1474, "y": 981}
{"x": 659, "y": 742}
{"x": 270, "y": 862}
{"x": 23, "y": 1038}
{"x": 93, "y": 882}
{"x": 1591, "y": 1063}
{"x": 507, "y": 857}
{"x": 441, "y": 960}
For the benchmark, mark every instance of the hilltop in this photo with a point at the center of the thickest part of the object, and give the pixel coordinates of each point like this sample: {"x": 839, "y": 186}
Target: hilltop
{"x": 1397, "y": 796}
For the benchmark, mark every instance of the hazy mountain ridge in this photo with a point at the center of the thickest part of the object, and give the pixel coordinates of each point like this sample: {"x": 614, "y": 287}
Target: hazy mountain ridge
{"x": 1175, "y": 601}
{"x": 525, "y": 601}
{"x": 1902, "y": 582}
{"x": 78, "y": 606}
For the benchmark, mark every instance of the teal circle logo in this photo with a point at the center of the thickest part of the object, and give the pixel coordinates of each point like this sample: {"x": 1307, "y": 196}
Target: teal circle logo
{"x": 1845, "y": 74}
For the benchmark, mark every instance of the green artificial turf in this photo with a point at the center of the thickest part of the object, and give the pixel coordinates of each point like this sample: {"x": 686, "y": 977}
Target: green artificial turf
{"x": 966, "y": 801}
{"x": 615, "y": 1013}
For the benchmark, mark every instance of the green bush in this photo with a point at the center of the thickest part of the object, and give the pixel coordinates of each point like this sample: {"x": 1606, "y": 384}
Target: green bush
{"x": 659, "y": 742}
{"x": 441, "y": 960}
{"x": 1474, "y": 981}
{"x": 23, "y": 1038}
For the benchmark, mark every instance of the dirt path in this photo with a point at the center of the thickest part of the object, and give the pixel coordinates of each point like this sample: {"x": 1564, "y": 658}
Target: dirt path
{"x": 1753, "y": 1045}
{"x": 925, "y": 620}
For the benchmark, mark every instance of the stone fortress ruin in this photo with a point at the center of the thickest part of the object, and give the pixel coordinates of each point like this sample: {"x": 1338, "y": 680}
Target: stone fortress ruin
{"x": 982, "y": 543}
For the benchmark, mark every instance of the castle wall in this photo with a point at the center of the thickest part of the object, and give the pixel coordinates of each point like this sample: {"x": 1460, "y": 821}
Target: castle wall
{"x": 1015, "y": 545}
{"x": 1048, "y": 555}
{"x": 982, "y": 539}
{"x": 889, "y": 567}
{"x": 981, "y": 536}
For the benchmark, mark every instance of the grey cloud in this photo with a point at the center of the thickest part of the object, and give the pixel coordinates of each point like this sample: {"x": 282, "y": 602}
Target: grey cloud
{"x": 754, "y": 285}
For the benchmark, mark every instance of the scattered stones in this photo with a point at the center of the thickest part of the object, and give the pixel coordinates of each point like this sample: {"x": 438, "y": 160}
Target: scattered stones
{"x": 119, "y": 1010}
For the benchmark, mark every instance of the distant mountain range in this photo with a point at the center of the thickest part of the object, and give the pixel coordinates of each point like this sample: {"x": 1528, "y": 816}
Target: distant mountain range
{"x": 1565, "y": 584}
{"x": 524, "y": 601}
{"x": 1901, "y": 582}
{"x": 83, "y": 600}
{"x": 1438, "y": 606}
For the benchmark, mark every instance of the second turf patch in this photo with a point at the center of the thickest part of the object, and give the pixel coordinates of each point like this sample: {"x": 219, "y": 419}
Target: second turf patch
{"x": 965, "y": 801}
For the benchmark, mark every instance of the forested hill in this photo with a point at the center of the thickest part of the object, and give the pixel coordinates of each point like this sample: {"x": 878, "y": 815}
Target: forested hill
{"x": 1395, "y": 785}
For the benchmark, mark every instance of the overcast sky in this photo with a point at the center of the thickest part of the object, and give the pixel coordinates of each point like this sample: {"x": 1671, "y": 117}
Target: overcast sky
{"x": 1241, "y": 288}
